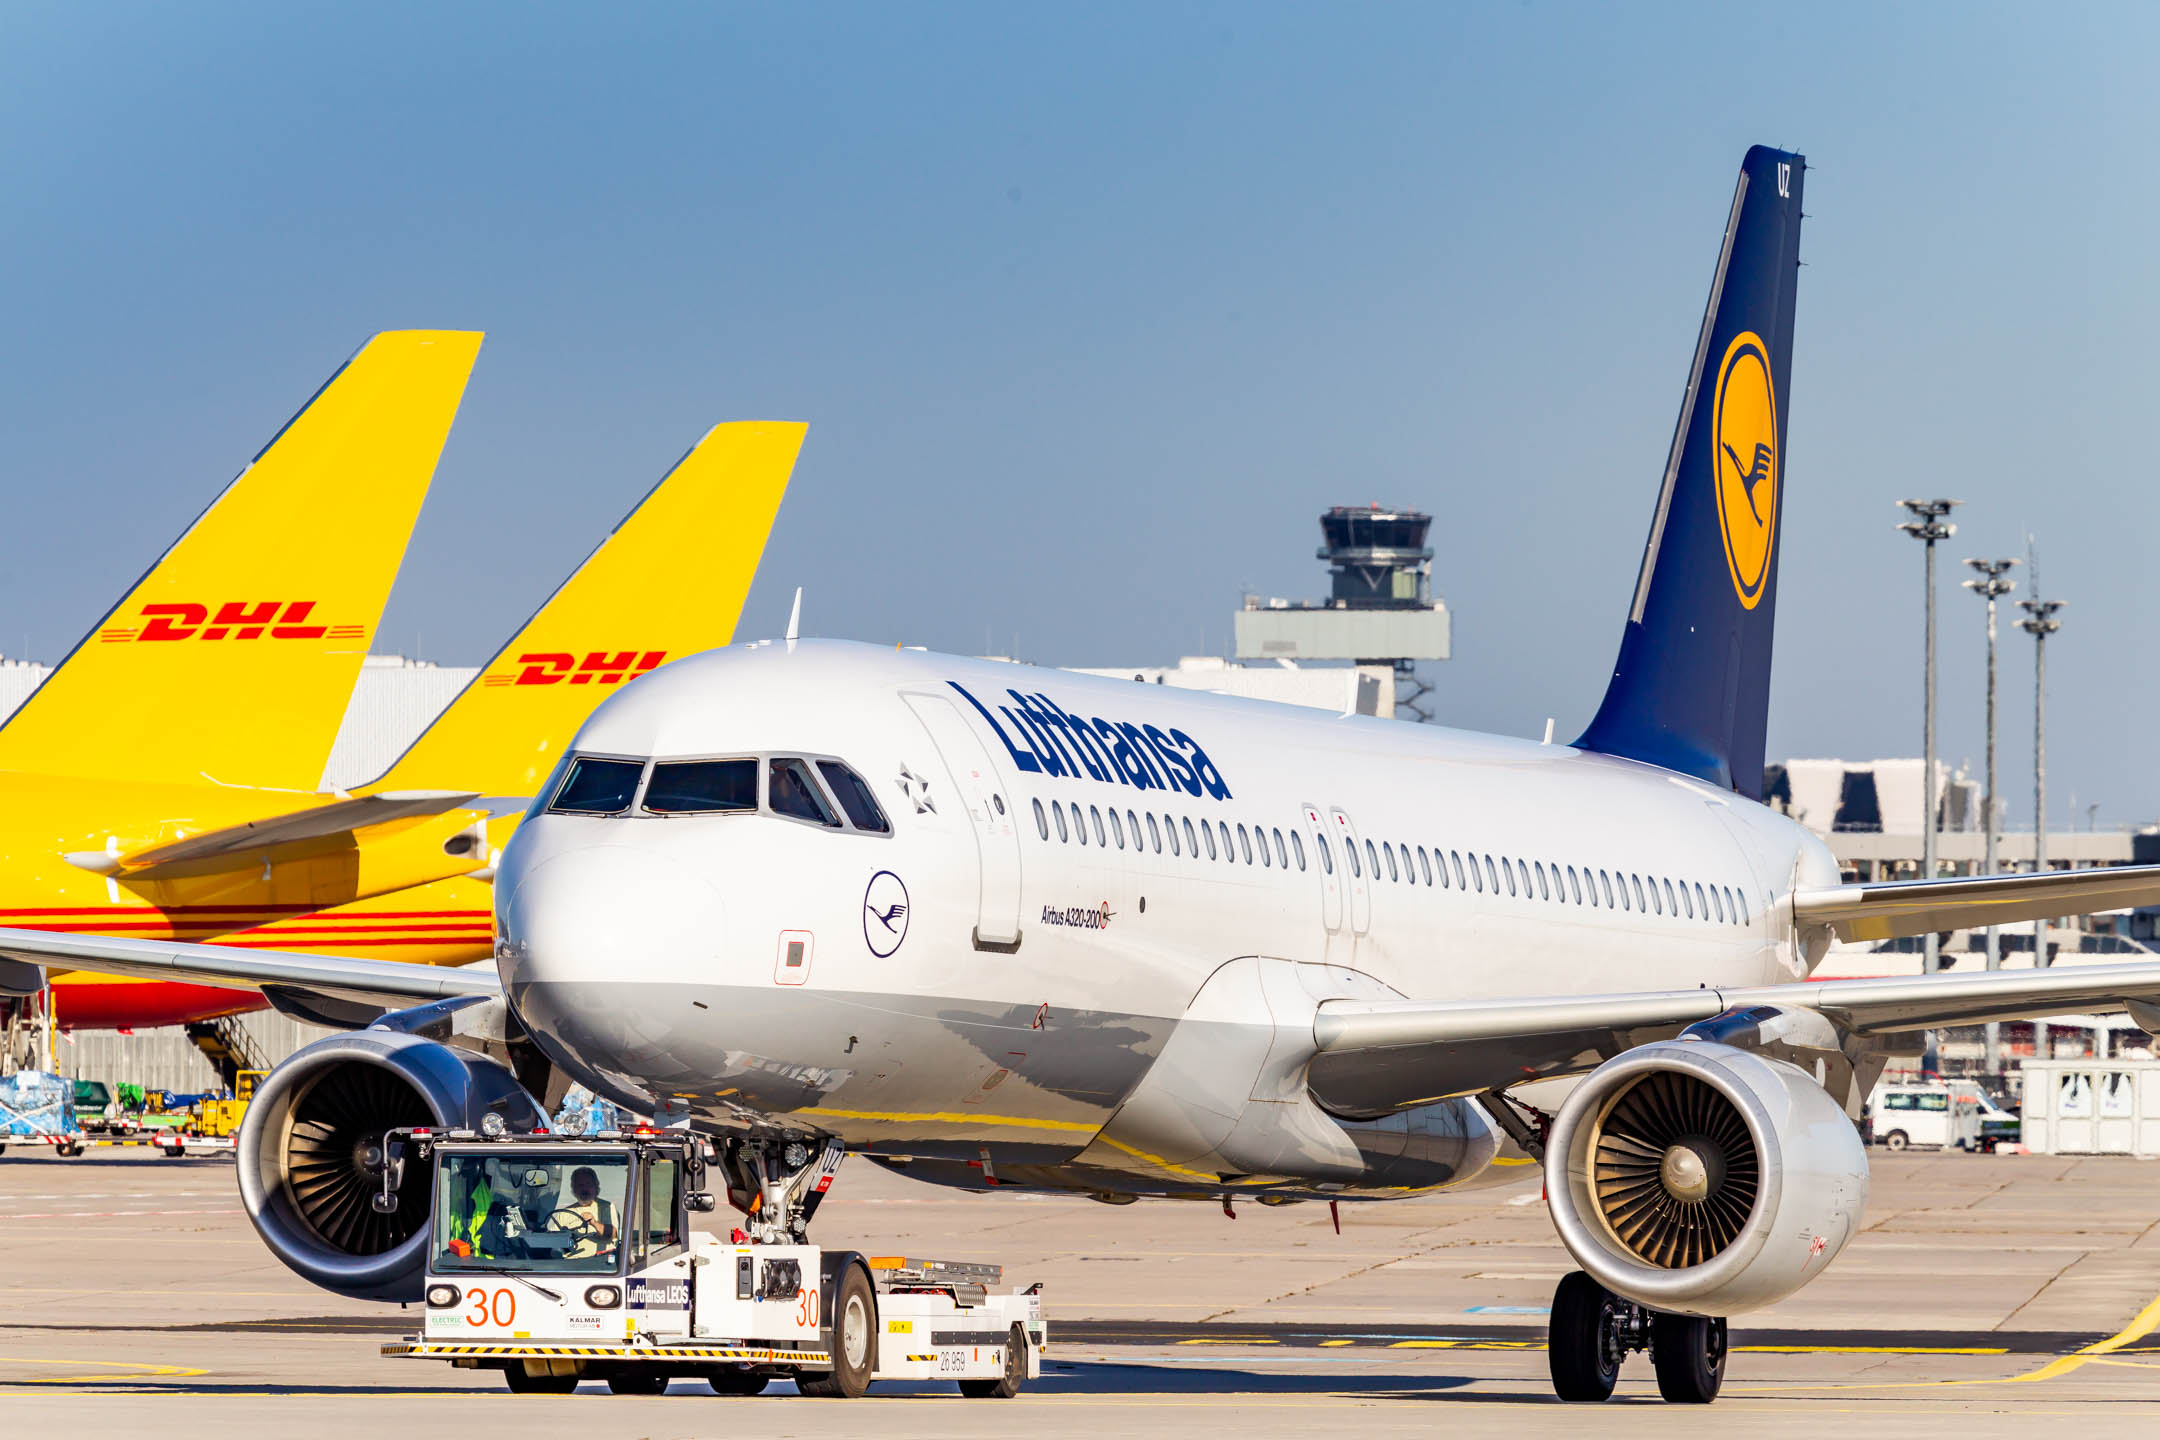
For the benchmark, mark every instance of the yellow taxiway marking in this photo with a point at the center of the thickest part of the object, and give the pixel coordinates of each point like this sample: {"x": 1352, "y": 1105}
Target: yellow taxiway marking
{"x": 2142, "y": 1324}
{"x": 117, "y": 1370}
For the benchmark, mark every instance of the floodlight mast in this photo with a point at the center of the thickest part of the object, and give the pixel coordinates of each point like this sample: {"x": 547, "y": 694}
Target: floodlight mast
{"x": 1928, "y": 526}
{"x": 1993, "y": 583}
{"x": 2039, "y": 622}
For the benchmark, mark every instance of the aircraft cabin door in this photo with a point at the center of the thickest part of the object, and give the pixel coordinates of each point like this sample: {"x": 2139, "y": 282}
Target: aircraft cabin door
{"x": 1331, "y": 886}
{"x": 1357, "y": 881}
{"x": 989, "y": 802}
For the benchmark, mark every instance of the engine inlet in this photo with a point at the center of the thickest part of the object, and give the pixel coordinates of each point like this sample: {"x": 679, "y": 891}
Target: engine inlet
{"x": 1674, "y": 1170}
{"x": 334, "y": 1160}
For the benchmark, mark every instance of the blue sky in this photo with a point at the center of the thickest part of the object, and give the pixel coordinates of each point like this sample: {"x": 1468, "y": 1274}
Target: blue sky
{"x": 1092, "y": 312}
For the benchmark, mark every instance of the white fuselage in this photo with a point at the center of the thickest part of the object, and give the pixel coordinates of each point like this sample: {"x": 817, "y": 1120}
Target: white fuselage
{"x": 1051, "y": 938}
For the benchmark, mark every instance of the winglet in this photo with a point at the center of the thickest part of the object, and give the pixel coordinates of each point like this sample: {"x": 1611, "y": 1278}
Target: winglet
{"x": 233, "y": 659}
{"x": 669, "y": 581}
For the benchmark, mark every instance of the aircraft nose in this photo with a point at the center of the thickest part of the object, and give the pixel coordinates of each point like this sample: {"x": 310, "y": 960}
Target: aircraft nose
{"x": 607, "y": 913}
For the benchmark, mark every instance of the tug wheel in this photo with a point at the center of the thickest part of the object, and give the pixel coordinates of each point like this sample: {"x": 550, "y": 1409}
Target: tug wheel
{"x": 523, "y": 1382}
{"x": 1007, "y": 1385}
{"x": 854, "y": 1340}
{"x": 737, "y": 1382}
{"x": 638, "y": 1382}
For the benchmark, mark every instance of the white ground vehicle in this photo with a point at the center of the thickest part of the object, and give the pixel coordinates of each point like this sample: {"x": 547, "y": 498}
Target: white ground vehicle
{"x": 1940, "y": 1115}
{"x": 558, "y": 1259}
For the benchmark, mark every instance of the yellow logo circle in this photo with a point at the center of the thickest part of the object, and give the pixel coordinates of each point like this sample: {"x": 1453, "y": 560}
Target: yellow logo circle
{"x": 1744, "y": 453}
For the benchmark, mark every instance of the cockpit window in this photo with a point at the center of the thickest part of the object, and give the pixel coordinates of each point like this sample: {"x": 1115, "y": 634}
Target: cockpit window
{"x": 854, "y": 795}
{"x": 598, "y": 787}
{"x": 700, "y": 787}
{"x": 795, "y": 794}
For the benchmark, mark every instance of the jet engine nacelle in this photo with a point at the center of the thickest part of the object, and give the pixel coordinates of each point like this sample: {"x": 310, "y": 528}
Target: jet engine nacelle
{"x": 311, "y": 1157}
{"x": 1698, "y": 1179}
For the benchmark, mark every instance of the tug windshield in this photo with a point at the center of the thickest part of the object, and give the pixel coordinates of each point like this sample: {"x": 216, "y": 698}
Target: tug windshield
{"x": 533, "y": 1211}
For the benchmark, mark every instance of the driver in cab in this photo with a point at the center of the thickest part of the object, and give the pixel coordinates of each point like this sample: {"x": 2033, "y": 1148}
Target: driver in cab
{"x": 588, "y": 1216}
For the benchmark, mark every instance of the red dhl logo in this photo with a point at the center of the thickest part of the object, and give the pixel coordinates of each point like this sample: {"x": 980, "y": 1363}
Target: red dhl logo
{"x": 553, "y": 667}
{"x": 235, "y": 619}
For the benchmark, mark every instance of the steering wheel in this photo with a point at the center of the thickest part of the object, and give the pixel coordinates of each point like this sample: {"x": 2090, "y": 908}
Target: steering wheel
{"x": 581, "y": 1227}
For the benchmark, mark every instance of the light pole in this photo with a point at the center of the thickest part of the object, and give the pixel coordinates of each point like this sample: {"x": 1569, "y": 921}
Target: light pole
{"x": 1928, "y": 527}
{"x": 1993, "y": 584}
{"x": 2039, "y": 622}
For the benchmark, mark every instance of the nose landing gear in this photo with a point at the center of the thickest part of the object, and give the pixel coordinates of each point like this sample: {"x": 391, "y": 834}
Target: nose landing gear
{"x": 778, "y": 1182}
{"x": 1593, "y": 1330}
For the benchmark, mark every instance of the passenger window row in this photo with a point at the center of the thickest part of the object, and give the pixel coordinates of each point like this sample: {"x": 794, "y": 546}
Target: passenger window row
{"x": 1403, "y": 864}
{"x": 817, "y": 791}
{"x": 1217, "y": 840}
{"x": 1550, "y": 882}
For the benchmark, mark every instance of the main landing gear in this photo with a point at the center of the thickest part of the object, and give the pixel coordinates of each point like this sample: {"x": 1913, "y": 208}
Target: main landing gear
{"x": 1593, "y": 1330}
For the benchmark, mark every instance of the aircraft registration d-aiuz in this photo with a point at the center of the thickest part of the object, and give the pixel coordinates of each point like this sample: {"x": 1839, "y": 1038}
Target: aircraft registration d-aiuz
{"x": 398, "y": 867}
{"x": 997, "y": 927}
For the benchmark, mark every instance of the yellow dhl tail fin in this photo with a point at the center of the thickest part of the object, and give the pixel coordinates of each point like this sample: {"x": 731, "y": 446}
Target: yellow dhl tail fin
{"x": 669, "y": 582}
{"x": 233, "y": 659}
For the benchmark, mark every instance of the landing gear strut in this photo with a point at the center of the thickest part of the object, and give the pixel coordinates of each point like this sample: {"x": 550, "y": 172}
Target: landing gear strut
{"x": 1593, "y": 1330}
{"x": 778, "y": 1183}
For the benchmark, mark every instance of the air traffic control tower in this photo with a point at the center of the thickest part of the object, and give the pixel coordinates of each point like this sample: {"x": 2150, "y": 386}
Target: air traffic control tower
{"x": 1380, "y": 609}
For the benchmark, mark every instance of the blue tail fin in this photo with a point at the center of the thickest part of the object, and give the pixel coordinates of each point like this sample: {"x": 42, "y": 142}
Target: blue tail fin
{"x": 1691, "y": 691}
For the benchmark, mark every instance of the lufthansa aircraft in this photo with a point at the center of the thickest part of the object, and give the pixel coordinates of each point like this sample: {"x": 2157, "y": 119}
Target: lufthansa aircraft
{"x": 999, "y": 928}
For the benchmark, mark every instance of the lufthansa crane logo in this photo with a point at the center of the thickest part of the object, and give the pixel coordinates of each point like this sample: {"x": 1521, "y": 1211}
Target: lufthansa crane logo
{"x": 1744, "y": 452}
{"x": 885, "y": 914}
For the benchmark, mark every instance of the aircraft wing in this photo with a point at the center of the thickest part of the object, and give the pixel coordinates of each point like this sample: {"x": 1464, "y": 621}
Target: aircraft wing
{"x": 1376, "y": 1057}
{"x": 336, "y": 817}
{"x": 391, "y": 984}
{"x": 1886, "y": 909}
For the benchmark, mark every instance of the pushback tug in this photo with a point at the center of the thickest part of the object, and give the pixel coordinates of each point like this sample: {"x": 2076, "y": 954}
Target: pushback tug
{"x": 556, "y": 1259}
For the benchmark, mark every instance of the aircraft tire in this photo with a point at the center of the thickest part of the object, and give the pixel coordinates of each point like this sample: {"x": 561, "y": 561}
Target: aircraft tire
{"x": 1584, "y": 1363}
{"x": 1689, "y": 1353}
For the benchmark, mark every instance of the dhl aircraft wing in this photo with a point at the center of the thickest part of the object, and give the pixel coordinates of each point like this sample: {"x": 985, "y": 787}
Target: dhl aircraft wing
{"x": 257, "y": 838}
{"x": 347, "y": 984}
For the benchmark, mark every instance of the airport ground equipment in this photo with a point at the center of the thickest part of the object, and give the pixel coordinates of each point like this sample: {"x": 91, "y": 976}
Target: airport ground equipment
{"x": 220, "y": 1117}
{"x": 2092, "y": 1106}
{"x": 556, "y": 1259}
{"x": 232, "y": 1053}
